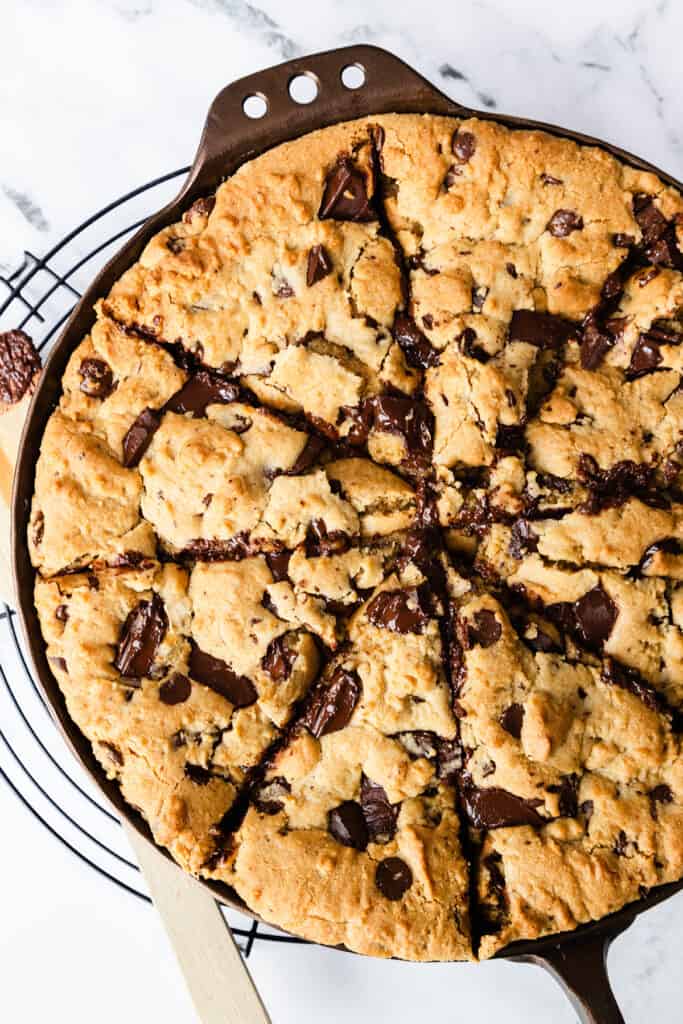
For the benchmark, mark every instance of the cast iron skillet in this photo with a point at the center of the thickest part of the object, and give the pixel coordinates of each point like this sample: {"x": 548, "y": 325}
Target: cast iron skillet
{"x": 576, "y": 959}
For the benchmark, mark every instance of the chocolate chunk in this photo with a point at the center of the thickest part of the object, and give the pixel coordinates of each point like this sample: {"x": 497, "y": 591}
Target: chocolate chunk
{"x": 98, "y": 380}
{"x": 623, "y": 241}
{"x": 200, "y": 208}
{"x": 512, "y": 719}
{"x": 19, "y": 364}
{"x": 345, "y": 196}
{"x": 393, "y": 877}
{"x": 595, "y": 614}
{"x": 62, "y": 613}
{"x": 612, "y": 487}
{"x": 205, "y": 388}
{"x": 485, "y": 630}
{"x": 219, "y": 677}
{"x": 416, "y": 347}
{"x": 282, "y": 289}
{"x": 407, "y": 417}
{"x": 319, "y": 542}
{"x": 470, "y": 348}
{"x": 59, "y": 663}
{"x": 587, "y": 808}
{"x": 308, "y": 456}
{"x": 232, "y": 550}
{"x": 616, "y": 674}
{"x": 563, "y": 222}
{"x": 38, "y": 528}
{"x": 510, "y": 437}
{"x": 142, "y": 633}
{"x": 621, "y": 844}
{"x": 595, "y": 342}
{"x": 463, "y": 146}
{"x": 268, "y": 797}
{"x": 548, "y": 179}
{"x": 448, "y": 759}
{"x": 279, "y": 659}
{"x": 659, "y": 243}
{"x": 200, "y": 776}
{"x": 646, "y": 355}
{"x": 668, "y": 546}
{"x": 659, "y": 795}
{"x": 129, "y": 560}
{"x": 346, "y": 824}
{"x": 332, "y": 705}
{"x": 113, "y": 753}
{"x": 319, "y": 265}
{"x": 380, "y": 815}
{"x": 278, "y": 563}
{"x": 138, "y": 437}
{"x": 497, "y": 808}
{"x": 400, "y": 611}
{"x": 175, "y": 690}
{"x": 568, "y": 790}
{"x": 545, "y": 330}
{"x": 523, "y": 538}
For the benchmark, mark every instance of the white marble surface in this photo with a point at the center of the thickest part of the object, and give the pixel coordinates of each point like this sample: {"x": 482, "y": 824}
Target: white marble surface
{"x": 97, "y": 97}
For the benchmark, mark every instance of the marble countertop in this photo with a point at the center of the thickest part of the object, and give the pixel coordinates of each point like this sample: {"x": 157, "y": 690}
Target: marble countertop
{"x": 99, "y": 96}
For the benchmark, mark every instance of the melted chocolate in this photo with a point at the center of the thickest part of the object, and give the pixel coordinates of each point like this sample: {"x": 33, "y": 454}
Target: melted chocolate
{"x": 541, "y": 329}
{"x": 142, "y": 633}
{"x": 380, "y": 815}
{"x": 175, "y": 690}
{"x": 563, "y": 222}
{"x": 19, "y": 364}
{"x": 627, "y": 678}
{"x": 346, "y": 824}
{"x": 512, "y": 719}
{"x": 268, "y": 797}
{"x": 219, "y": 677}
{"x": 415, "y": 345}
{"x": 485, "y": 630}
{"x": 595, "y": 614}
{"x": 345, "y": 196}
{"x": 97, "y": 378}
{"x": 204, "y": 388}
{"x": 319, "y": 265}
{"x": 332, "y": 705}
{"x": 400, "y": 611}
{"x": 463, "y": 146}
{"x": 278, "y": 563}
{"x": 496, "y": 808}
{"x": 279, "y": 659}
{"x": 139, "y": 436}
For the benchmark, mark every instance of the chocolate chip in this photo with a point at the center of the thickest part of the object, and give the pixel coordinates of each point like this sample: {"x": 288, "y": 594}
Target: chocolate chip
{"x": 138, "y": 437}
{"x": 345, "y": 196}
{"x": 512, "y": 719}
{"x": 346, "y": 824}
{"x": 645, "y": 357}
{"x": 545, "y": 330}
{"x": 19, "y": 364}
{"x": 523, "y": 538}
{"x": 59, "y": 663}
{"x": 279, "y": 659}
{"x": 380, "y": 815}
{"x": 595, "y": 614}
{"x": 62, "y": 613}
{"x": 278, "y": 563}
{"x": 497, "y": 808}
{"x": 204, "y": 388}
{"x": 142, "y": 633}
{"x": 219, "y": 677}
{"x": 268, "y": 797}
{"x": 614, "y": 673}
{"x": 595, "y": 342}
{"x": 568, "y": 791}
{"x": 463, "y": 146}
{"x": 563, "y": 222}
{"x": 659, "y": 242}
{"x": 393, "y": 877}
{"x": 320, "y": 543}
{"x": 400, "y": 611}
{"x": 621, "y": 844}
{"x": 486, "y": 629}
{"x": 416, "y": 347}
{"x": 623, "y": 241}
{"x": 408, "y": 417}
{"x": 98, "y": 380}
{"x": 195, "y": 773}
{"x": 511, "y": 269}
{"x": 319, "y": 265}
{"x": 548, "y": 179}
{"x": 233, "y": 550}
{"x": 113, "y": 753}
{"x": 659, "y": 795}
{"x": 200, "y": 208}
{"x": 176, "y": 689}
{"x": 612, "y": 487}
{"x": 332, "y": 705}
{"x": 587, "y": 808}
{"x": 308, "y": 456}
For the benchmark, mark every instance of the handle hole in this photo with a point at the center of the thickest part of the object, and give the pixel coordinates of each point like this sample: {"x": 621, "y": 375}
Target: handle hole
{"x": 304, "y": 88}
{"x": 353, "y": 76}
{"x": 255, "y": 106}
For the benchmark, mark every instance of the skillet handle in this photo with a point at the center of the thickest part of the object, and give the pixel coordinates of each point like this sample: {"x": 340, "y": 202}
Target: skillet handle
{"x": 581, "y": 969}
{"x": 230, "y": 136}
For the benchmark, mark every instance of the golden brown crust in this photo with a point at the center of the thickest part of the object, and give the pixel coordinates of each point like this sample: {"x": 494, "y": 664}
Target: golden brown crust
{"x": 363, "y": 503}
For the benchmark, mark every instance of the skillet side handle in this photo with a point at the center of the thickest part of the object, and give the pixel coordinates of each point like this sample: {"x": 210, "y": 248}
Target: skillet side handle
{"x": 580, "y": 967}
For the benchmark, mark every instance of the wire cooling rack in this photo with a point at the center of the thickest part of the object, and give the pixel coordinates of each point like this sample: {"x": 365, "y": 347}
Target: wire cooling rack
{"x": 35, "y": 763}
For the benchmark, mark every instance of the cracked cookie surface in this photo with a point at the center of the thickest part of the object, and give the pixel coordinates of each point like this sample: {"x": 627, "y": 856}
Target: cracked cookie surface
{"x": 358, "y": 533}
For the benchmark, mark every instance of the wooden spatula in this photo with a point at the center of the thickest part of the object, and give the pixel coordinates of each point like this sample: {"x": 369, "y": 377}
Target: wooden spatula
{"x": 216, "y": 976}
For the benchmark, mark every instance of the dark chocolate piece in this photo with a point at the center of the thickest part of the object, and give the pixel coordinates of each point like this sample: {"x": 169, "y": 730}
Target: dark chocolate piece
{"x": 332, "y": 705}
{"x": 204, "y": 388}
{"x": 139, "y": 436}
{"x": 563, "y": 222}
{"x": 393, "y": 878}
{"x": 416, "y": 346}
{"x": 346, "y": 824}
{"x": 279, "y": 659}
{"x": 345, "y": 196}
{"x": 545, "y": 330}
{"x": 219, "y": 677}
{"x": 319, "y": 265}
{"x": 401, "y": 611}
{"x": 512, "y": 719}
{"x": 176, "y": 689}
{"x": 97, "y": 378}
{"x": 485, "y": 629}
{"x": 142, "y": 633}
{"x": 380, "y": 815}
